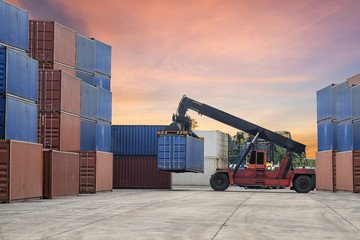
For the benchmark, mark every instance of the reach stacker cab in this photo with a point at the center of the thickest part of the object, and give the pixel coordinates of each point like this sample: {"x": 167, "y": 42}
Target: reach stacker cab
{"x": 302, "y": 180}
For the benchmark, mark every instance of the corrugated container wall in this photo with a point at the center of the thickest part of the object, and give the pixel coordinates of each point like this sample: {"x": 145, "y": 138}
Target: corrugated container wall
{"x": 215, "y": 144}
{"x": 354, "y": 80}
{"x": 18, "y": 119}
{"x": 348, "y": 171}
{"x": 96, "y": 171}
{"x": 85, "y": 77}
{"x": 135, "y": 140}
{"x": 180, "y": 153}
{"x": 21, "y": 170}
{"x": 14, "y": 26}
{"x": 88, "y": 135}
{"x": 102, "y": 58}
{"x": 102, "y": 81}
{"x": 348, "y": 101}
{"x": 85, "y": 54}
{"x": 61, "y": 173}
{"x": 326, "y": 170}
{"x": 104, "y": 104}
{"x": 59, "y": 91}
{"x": 327, "y": 135}
{"x": 18, "y": 74}
{"x": 327, "y": 101}
{"x": 139, "y": 172}
{"x": 349, "y": 136}
{"x": 103, "y": 136}
{"x": 88, "y": 101}
{"x": 50, "y": 43}
{"x": 59, "y": 131}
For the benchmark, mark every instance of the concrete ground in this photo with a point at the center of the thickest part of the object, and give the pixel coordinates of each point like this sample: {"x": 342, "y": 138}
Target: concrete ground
{"x": 186, "y": 213}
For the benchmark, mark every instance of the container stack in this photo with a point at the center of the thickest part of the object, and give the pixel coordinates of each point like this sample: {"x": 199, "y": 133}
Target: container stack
{"x": 135, "y": 157}
{"x": 20, "y": 157}
{"x": 93, "y": 67}
{"x": 215, "y": 156}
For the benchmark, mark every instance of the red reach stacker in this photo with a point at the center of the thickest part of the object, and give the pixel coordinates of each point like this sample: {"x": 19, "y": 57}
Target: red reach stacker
{"x": 302, "y": 180}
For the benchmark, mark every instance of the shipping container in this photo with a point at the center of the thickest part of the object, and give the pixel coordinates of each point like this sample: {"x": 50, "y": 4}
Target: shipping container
{"x": 59, "y": 131}
{"x": 139, "y": 172}
{"x": 326, "y": 170}
{"x": 103, "y": 136}
{"x": 135, "y": 140}
{"x": 18, "y": 119}
{"x": 104, "y": 104}
{"x": 89, "y": 101}
{"x": 96, "y": 171}
{"x": 14, "y": 26}
{"x": 180, "y": 153}
{"x": 327, "y": 101}
{"x": 215, "y": 144}
{"x": 354, "y": 80}
{"x": 85, "y": 77}
{"x": 199, "y": 179}
{"x": 348, "y": 171}
{"x": 21, "y": 170}
{"x": 349, "y": 136}
{"x": 51, "y": 42}
{"x": 348, "y": 104}
{"x": 61, "y": 173}
{"x": 102, "y": 81}
{"x": 59, "y": 91}
{"x": 327, "y": 135}
{"x": 88, "y": 135}
{"x": 85, "y": 54}
{"x": 18, "y": 74}
{"x": 57, "y": 66}
{"x": 102, "y": 58}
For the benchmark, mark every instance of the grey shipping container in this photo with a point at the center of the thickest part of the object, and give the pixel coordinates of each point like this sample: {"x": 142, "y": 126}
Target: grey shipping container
{"x": 348, "y": 102}
{"x": 18, "y": 119}
{"x": 18, "y": 74}
{"x": 14, "y": 26}
{"x": 180, "y": 153}
{"x": 135, "y": 140}
{"x": 327, "y": 101}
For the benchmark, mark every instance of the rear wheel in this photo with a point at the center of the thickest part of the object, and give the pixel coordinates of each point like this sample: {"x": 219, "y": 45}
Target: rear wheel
{"x": 219, "y": 181}
{"x": 303, "y": 184}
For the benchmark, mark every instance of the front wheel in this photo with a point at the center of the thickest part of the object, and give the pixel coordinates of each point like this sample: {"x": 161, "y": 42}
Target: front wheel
{"x": 303, "y": 184}
{"x": 219, "y": 181}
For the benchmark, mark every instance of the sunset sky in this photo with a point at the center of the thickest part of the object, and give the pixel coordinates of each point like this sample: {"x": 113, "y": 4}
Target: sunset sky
{"x": 261, "y": 60}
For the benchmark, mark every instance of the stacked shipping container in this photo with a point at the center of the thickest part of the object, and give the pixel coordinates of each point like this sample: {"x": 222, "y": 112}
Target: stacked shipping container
{"x": 135, "y": 160}
{"x": 20, "y": 156}
{"x": 215, "y": 156}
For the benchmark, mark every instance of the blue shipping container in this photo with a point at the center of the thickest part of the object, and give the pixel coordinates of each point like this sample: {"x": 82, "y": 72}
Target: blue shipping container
{"x": 88, "y": 135}
{"x": 102, "y": 58}
{"x": 102, "y": 81}
{"x": 88, "y": 101}
{"x": 14, "y": 26}
{"x": 135, "y": 140}
{"x": 85, "y": 77}
{"x": 348, "y": 101}
{"x": 85, "y": 54}
{"x": 18, "y": 119}
{"x": 327, "y": 101}
{"x": 327, "y": 136}
{"x": 104, "y": 99}
{"x": 103, "y": 136}
{"x": 180, "y": 153}
{"x": 349, "y": 136}
{"x": 18, "y": 74}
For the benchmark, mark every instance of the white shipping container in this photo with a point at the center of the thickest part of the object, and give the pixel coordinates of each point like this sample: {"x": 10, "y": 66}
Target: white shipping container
{"x": 215, "y": 144}
{"x": 199, "y": 179}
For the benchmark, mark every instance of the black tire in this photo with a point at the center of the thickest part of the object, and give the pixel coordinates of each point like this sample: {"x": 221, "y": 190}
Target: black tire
{"x": 219, "y": 181}
{"x": 303, "y": 184}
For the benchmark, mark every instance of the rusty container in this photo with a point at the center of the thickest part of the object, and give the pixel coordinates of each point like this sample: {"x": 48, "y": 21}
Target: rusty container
{"x": 348, "y": 171}
{"x": 61, "y": 173}
{"x": 139, "y": 172}
{"x": 52, "y": 43}
{"x": 354, "y": 80}
{"x": 326, "y": 170}
{"x": 96, "y": 171}
{"x": 21, "y": 170}
{"x": 59, "y": 131}
{"x": 59, "y": 91}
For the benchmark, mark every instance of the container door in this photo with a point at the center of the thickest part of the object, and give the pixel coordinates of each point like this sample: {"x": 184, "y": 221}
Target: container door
{"x": 4, "y": 171}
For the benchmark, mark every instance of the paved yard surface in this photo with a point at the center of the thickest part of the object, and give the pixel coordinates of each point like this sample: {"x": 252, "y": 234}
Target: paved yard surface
{"x": 186, "y": 213}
